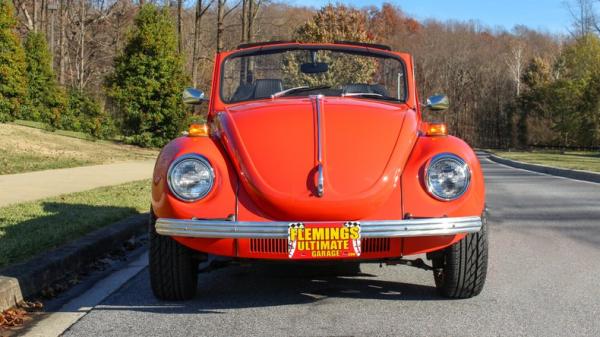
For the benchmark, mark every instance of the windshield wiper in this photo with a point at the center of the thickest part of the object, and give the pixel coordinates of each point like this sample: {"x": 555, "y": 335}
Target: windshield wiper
{"x": 353, "y": 94}
{"x": 298, "y": 89}
{"x": 369, "y": 95}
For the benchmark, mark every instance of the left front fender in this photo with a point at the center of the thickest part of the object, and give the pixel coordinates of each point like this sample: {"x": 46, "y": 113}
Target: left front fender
{"x": 221, "y": 200}
{"x": 416, "y": 199}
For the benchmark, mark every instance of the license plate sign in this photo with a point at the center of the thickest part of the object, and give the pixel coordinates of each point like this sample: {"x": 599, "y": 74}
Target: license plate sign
{"x": 323, "y": 240}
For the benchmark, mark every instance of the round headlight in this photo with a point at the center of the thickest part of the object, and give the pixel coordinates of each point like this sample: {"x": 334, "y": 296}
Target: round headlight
{"x": 447, "y": 177}
{"x": 190, "y": 177}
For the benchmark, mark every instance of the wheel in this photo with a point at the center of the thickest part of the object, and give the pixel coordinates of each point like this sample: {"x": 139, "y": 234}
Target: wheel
{"x": 173, "y": 267}
{"x": 460, "y": 269}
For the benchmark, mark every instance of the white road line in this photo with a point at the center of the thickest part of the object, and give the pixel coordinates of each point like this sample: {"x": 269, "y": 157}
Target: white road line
{"x": 540, "y": 173}
{"x": 58, "y": 322}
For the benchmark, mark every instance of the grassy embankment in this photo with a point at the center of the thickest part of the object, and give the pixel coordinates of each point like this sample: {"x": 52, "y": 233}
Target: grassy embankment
{"x": 30, "y": 228}
{"x": 587, "y": 161}
{"x": 25, "y": 149}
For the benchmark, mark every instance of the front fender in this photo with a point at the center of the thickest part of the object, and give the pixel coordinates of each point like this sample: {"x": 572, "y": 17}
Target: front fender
{"x": 418, "y": 203}
{"x": 221, "y": 200}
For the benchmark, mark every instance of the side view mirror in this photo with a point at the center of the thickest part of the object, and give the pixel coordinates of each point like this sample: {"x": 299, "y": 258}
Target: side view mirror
{"x": 193, "y": 96}
{"x": 438, "y": 103}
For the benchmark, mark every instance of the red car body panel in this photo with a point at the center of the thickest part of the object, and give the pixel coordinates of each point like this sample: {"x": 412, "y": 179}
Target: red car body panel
{"x": 374, "y": 154}
{"x": 358, "y": 180}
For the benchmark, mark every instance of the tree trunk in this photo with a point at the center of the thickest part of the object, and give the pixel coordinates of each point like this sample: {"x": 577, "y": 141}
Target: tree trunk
{"x": 244, "y": 17}
{"x": 179, "y": 26}
{"x": 35, "y": 15}
{"x": 197, "y": 28}
{"x": 51, "y": 31}
{"x": 61, "y": 41}
{"x": 45, "y": 17}
{"x": 253, "y": 7}
{"x": 81, "y": 45}
{"x": 220, "y": 24}
{"x": 251, "y": 16}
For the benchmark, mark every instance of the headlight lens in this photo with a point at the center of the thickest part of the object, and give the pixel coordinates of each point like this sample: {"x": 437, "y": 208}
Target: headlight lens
{"x": 191, "y": 177}
{"x": 447, "y": 177}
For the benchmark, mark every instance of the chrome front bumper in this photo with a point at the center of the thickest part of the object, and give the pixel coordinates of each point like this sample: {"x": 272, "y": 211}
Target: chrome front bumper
{"x": 279, "y": 230}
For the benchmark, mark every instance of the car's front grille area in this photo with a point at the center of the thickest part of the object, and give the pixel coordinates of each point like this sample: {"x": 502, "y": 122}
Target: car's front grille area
{"x": 376, "y": 245}
{"x": 279, "y": 246}
{"x": 271, "y": 246}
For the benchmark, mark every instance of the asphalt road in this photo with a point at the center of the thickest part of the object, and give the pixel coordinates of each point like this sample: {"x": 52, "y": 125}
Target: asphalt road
{"x": 543, "y": 280}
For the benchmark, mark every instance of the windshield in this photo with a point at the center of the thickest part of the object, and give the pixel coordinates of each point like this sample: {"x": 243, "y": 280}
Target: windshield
{"x": 303, "y": 72}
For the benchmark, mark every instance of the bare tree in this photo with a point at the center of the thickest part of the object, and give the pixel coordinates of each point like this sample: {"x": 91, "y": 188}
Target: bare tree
{"x": 253, "y": 7}
{"x": 35, "y": 15}
{"x": 21, "y": 7}
{"x": 81, "y": 63}
{"x": 220, "y": 28}
{"x": 200, "y": 11}
{"x": 179, "y": 26}
{"x": 222, "y": 13}
{"x": 62, "y": 40}
{"x": 515, "y": 61}
{"x": 244, "y": 19}
{"x": 585, "y": 20}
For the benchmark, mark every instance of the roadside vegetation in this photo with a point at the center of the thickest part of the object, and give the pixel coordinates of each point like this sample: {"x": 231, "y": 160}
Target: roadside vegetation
{"x": 575, "y": 160}
{"x": 117, "y": 68}
{"x": 31, "y": 228}
{"x": 25, "y": 149}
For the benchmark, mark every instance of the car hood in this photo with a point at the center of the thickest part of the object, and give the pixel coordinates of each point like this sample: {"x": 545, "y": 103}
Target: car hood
{"x": 274, "y": 145}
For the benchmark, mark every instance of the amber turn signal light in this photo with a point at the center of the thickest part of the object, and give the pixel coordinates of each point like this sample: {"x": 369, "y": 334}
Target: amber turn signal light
{"x": 198, "y": 130}
{"x": 436, "y": 129}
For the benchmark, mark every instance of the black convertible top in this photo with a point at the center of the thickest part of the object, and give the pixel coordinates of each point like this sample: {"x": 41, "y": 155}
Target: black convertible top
{"x": 353, "y": 43}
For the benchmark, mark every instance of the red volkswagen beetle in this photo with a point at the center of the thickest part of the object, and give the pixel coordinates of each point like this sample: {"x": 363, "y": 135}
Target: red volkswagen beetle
{"x": 317, "y": 152}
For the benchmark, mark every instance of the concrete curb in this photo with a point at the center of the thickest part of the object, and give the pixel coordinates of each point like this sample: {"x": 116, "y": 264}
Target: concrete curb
{"x": 27, "y": 279}
{"x": 560, "y": 172}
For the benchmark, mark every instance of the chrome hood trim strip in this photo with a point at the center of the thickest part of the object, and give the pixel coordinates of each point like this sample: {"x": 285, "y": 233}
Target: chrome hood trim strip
{"x": 320, "y": 178}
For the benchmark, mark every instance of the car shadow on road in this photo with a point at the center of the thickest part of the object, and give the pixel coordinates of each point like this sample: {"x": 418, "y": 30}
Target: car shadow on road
{"x": 266, "y": 285}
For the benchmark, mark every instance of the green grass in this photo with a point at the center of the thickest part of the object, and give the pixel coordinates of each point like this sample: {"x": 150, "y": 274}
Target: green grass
{"x": 32, "y": 124}
{"x": 16, "y": 162}
{"x": 48, "y": 128}
{"x": 31, "y": 228}
{"x": 587, "y": 161}
{"x": 25, "y": 149}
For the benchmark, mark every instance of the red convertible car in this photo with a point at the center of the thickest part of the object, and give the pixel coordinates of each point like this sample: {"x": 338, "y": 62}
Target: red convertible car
{"x": 319, "y": 153}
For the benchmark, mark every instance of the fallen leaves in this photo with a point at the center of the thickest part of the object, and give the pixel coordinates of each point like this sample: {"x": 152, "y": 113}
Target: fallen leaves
{"x": 15, "y": 317}
{"x": 12, "y": 317}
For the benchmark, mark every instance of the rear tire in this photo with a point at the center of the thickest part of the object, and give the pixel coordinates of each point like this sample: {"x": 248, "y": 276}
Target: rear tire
{"x": 460, "y": 270}
{"x": 173, "y": 268}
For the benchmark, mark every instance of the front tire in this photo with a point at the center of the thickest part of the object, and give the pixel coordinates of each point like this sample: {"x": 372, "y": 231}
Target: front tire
{"x": 173, "y": 268}
{"x": 460, "y": 270}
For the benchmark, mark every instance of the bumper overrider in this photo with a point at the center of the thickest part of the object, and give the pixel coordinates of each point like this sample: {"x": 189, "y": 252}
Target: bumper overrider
{"x": 279, "y": 230}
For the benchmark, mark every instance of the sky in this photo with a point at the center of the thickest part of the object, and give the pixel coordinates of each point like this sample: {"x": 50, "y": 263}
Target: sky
{"x": 547, "y": 15}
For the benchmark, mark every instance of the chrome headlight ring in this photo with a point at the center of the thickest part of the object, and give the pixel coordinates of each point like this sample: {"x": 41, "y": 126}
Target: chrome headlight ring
{"x": 447, "y": 177}
{"x": 181, "y": 169}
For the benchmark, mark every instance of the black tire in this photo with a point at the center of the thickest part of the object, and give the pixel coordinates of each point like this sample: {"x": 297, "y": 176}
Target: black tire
{"x": 173, "y": 268}
{"x": 460, "y": 270}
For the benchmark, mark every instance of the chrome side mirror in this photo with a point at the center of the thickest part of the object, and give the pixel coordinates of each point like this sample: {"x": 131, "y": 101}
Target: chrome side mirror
{"x": 438, "y": 103}
{"x": 193, "y": 96}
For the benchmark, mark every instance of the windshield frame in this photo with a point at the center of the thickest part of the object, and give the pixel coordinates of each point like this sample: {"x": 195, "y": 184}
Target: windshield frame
{"x": 274, "y": 49}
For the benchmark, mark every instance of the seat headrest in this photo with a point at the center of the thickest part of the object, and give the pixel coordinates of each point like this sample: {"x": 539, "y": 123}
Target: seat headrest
{"x": 264, "y": 88}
